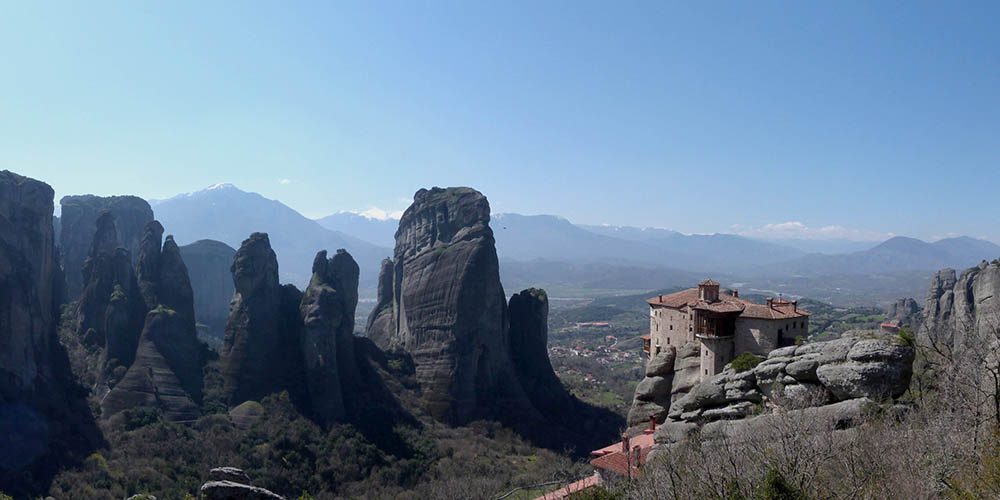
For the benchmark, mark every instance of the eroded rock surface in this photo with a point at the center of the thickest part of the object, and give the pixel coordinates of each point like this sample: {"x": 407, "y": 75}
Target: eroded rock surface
{"x": 529, "y": 339}
{"x": 381, "y": 327}
{"x": 208, "y": 264}
{"x": 77, "y": 224}
{"x": 261, "y": 347}
{"x": 449, "y": 309}
{"x": 858, "y": 365}
{"x": 957, "y": 306}
{"x": 327, "y": 341}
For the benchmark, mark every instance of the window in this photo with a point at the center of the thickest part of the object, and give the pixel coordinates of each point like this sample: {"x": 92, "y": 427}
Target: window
{"x": 779, "y": 332}
{"x": 671, "y": 327}
{"x": 706, "y": 371}
{"x": 668, "y": 340}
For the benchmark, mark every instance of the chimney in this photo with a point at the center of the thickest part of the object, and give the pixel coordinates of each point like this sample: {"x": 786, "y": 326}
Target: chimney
{"x": 625, "y": 442}
{"x": 652, "y": 425}
{"x": 736, "y": 293}
{"x": 795, "y": 305}
{"x": 770, "y": 303}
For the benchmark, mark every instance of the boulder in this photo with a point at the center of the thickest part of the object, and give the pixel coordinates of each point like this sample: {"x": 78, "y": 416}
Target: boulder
{"x": 662, "y": 364}
{"x": 229, "y": 474}
{"x": 229, "y": 490}
{"x": 803, "y": 370}
{"x": 877, "y": 380}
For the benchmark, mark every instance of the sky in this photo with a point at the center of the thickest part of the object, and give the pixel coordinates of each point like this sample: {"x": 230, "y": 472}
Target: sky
{"x": 777, "y": 119}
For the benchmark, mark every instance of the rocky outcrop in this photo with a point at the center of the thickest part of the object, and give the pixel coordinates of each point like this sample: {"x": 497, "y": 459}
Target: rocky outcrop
{"x": 45, "y": 419}
{"x": 208, "y": 265}
{"x": 905, "y": 311}
{"x": 164, "y": 362}
{"x": 327, "y": 341}
{"x": 28, "y": 313}
{"x": 529, "y": 340}
{"x": 652, "y": 395}
{"x": 167, "y": 372}
{"x": 79, "y": 214}
{"x": 449, "y": 309}
{"x": 111, "y": 310}
{"x": 230, "y": 483}
{"x": 260, "y": 352}
{"x": 860, "y": 364}
{"x": 381, "y": 327}
{"x": 959, "y": 306}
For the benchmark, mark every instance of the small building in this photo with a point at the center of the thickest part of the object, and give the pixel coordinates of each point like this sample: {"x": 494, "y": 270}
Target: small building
{"x": 723, "y": 324}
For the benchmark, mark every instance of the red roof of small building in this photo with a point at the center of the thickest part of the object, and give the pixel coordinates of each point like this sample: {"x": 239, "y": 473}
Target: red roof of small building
{"x": 727, "y": 303}
{"x": 613, "y": 458}
{"x": 569, "y": 489}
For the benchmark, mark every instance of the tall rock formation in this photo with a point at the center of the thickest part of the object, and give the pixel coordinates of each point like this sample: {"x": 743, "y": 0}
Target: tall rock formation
{"x": 529, "y": 340}
{"x": 261, "y": 347}
{"x": 44, "y": 417}
{"x": 327, "y": 340}
{"x": 79, "y": 214}
{"x": 449, "y": 309}
{"x": 959, "y": 306}
{"x": 905, "y": 311}
{"x": 380, "y": 327}
{"x": 208, "y": 264}
{"x": 163, "y": 357}
{"x": 111, "y": 310}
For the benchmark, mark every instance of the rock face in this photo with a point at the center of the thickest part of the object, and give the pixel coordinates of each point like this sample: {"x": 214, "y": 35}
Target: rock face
{"x": 652, "y": 394}
{"x": 858, "y": 365}
{"x": 111, "y": 309}
{"x": 906, "y": 311}
{"x": 230, "y": 483}
{"x": 529, "y": 340}
{"x": 166, "y": 373}
{"x": 449, "y": 310}
{"x": 27, "y": 273}
{"x": 261, "y": 347}
{"x": 957, "y": 306}
{"x": 39, "y": 403}
{"x": 79, "y": 213}
{"x": 381, "y": 325}
{"x": 208, "y": 265}
{"x": 327, "y": 339}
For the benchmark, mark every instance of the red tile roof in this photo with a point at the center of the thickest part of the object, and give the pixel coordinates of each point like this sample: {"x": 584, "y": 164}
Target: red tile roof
{"x": 613, "y": 458}
{"x": 569, "y": 489}
{"x": 727, "y": 303}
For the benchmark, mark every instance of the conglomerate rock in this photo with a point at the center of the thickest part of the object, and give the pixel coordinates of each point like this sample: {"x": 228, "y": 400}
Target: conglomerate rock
{"x": 958, "y": 307}
{"x": 860, "y": 364}
{"x": 327, "y": 341}
{"x": 208, "y": 265}
{"x": 449, "y": 309}
{"x": 79, "y": 214}
{"x": 260, "y": 353}
{"x": 381, "y": 327}
{"x": 529, "y": 339}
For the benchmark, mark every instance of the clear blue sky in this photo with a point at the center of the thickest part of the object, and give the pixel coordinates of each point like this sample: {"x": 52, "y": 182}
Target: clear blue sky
{"x": 879, "y": 117}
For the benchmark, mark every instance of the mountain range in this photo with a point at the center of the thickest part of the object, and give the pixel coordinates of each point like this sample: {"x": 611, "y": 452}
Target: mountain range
{"x": 547, "y": 250}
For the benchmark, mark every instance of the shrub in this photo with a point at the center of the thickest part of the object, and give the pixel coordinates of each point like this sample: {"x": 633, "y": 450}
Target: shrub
{"x": 775, "y": 487}
{"x": 745, "y": 361}
{"x": 906, "y": 336}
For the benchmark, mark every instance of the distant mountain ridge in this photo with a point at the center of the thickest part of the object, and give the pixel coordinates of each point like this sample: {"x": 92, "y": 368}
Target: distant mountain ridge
{"x": 898, "y": 254}
{"x": 380, "y": 232}
{"x": 225, "y": 213}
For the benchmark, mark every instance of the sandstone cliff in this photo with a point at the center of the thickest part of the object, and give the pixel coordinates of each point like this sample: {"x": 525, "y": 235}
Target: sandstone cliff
{"x": 260, "y": 353}
{"x": 45, "y": 418}
{"x": 958, "y": 306}
{"x": 529, "y": 351}
{"x": 79, "y": 214}
{"x": 164, "y": 370}
{"x": 833, "y": 379}
{"x": 327, "y": 341}
{"x": 449, "y": 309}
{"x": 208, "y": 264}
{"x": 380, "y": 327}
